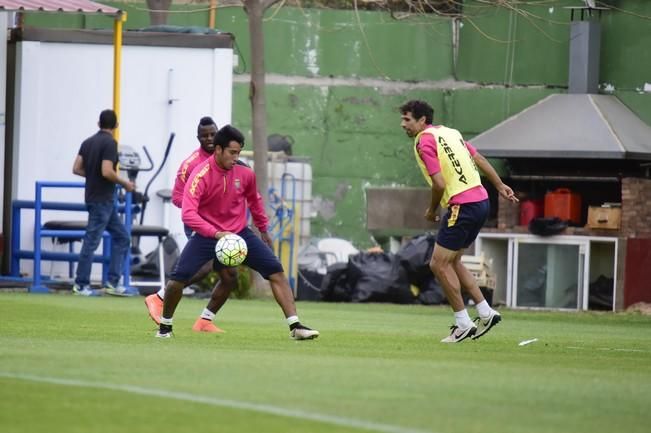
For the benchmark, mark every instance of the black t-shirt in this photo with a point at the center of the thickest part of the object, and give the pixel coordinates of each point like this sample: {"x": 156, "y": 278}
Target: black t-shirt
{"x": 100, "y": 147}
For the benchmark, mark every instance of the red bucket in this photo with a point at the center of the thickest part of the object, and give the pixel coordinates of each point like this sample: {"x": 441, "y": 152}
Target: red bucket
{"x": 530, "y": 209}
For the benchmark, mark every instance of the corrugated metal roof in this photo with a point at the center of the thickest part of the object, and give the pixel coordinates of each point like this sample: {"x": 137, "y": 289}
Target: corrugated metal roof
{"x": 140, "y": 38}
{"x": 78, "y": 6}
{"x": 570, "y": 126}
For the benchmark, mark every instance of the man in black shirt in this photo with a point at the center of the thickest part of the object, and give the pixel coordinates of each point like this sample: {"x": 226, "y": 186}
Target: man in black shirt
{"x": 97, "y": 161}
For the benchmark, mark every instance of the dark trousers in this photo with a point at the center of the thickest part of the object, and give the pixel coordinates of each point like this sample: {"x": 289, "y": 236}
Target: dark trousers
{"x": 103, "y": 216}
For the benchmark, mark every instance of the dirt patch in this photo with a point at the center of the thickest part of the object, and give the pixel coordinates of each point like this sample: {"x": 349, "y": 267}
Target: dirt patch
{"x": 640, "y": 307}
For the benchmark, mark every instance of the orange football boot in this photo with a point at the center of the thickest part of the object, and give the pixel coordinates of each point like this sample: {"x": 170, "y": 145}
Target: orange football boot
{"x": 155, "y": 307}
{"x": 205, "y": 325}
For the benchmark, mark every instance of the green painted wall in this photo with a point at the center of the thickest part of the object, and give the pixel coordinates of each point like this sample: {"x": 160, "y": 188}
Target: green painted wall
{"x": 353, "y": 138}
{"x": 332, "y": 43}
{"x": 626, "y": 46}
{"x": 311, "y": 42}
{"x": 528, "y": 45}
{"x": 474, "y": 111}
{"x": 352, "y": 134}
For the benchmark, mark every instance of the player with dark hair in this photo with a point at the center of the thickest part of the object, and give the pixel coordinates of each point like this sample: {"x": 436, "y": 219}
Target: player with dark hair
{"x": 449, "y": 165}
{"x": 215, "y": 201}
{"x": 96, "y": 162}
{"x": 206, "y": 130}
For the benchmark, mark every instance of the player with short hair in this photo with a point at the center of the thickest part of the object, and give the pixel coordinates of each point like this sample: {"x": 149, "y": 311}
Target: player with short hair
{"x": 449, "y": 165}
{"x": 215, "y": 201}
{"x": 206, "y": 130}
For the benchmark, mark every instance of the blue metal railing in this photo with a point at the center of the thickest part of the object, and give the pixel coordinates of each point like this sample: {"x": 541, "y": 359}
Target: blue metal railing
{"x": 284, "y": 221}
{"x": 39, "y": 232}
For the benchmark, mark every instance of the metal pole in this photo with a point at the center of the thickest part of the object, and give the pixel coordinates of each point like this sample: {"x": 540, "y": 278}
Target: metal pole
{"x": 213, "y": 12}
{"x": 117, "y": 66}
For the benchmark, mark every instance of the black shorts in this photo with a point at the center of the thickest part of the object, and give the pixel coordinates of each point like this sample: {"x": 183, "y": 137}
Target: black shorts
{"x": 200, "y": 250}
{"x": 461, "y": 224}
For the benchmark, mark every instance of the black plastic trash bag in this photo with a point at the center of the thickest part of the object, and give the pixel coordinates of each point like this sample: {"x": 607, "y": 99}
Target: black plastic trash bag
{"x": 431, "y": 292}
{"x": 601, "y": 294}
{"x": 415, "y": 256}
{"x": 308, "y": 285}
{"x": 335, "y": 286}
{"x": 378, "y": 277}
{"x": 547, "y": 226}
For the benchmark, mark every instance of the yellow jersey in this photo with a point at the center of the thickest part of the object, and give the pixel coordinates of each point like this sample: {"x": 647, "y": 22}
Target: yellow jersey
{"x": 457, "y": 166}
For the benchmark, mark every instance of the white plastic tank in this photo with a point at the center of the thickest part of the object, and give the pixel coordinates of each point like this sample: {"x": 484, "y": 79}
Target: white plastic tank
{"x": 296, "y": 174}
{"x": 290, "y": 179}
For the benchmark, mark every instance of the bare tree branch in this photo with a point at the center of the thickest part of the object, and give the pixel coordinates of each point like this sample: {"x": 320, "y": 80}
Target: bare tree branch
{"x": 255, "y": 10}
{"x": 266, "y": 4}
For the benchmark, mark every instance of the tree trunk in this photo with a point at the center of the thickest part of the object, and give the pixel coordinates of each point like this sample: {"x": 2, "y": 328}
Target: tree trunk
{"x": 255, "y": 10}
{"x": 158, "y": 11}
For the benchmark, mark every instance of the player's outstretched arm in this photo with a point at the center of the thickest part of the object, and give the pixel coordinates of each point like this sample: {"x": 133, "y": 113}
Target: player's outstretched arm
{"x": 488, "y": 170}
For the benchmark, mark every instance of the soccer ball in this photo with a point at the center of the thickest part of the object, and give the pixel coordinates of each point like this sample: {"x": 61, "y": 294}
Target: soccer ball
{"x": 231, "y": 250}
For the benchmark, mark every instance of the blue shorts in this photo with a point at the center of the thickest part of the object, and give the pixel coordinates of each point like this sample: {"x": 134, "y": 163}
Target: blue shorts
{"x": 199, "y": 250}
{"x": 461, "y": 224}
{"x": 188, "y": 231}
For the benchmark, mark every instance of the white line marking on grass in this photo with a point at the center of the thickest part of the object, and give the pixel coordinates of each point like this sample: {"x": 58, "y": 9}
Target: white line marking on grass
{"x": 233, "y": 404}
{"x": 525, "y": 342}
{"x": 608, "y": 349}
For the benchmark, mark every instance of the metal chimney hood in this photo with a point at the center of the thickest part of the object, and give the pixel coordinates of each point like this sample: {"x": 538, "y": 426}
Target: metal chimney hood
{"x": 570, "y": 126}
{"x": 579, "y": 124}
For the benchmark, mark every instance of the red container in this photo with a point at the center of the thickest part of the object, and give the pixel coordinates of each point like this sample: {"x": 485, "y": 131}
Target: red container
{"x": 530, "y": 209}
{"x": 564, "y": 204}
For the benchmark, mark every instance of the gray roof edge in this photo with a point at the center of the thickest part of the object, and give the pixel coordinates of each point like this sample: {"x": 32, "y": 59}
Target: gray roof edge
{"x": 611, "y": 130}
{"x": 85, "y": 7}
{"x": 514, "y": 117}
{"x": 644, "y": 156}
{"x": 630, "y": 130}
{"x": 599, "y": 109}
{"x": 157, "y": 39}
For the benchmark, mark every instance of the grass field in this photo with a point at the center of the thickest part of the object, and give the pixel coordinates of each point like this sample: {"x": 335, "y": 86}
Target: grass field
{"x": 71, "y": 364}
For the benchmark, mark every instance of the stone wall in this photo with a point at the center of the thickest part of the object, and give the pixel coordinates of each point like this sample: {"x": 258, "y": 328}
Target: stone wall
{"x": 636, "y": 212}
{"x": 508, "y": 213}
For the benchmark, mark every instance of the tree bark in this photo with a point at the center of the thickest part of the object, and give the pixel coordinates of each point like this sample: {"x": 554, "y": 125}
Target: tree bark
{"x": 255, "y": 10}
{"x": 158, "y": 11}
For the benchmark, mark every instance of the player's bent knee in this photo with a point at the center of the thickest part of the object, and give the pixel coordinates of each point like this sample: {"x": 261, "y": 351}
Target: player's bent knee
{"x": 228, "y": 275}
{"x": 439, "y": 264}
{"x": 175, "y": 284}
{"x": 278, "y": 277}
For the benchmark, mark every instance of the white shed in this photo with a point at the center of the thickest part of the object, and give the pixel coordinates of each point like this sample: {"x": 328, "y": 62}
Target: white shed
{"x": 60, "y": 80}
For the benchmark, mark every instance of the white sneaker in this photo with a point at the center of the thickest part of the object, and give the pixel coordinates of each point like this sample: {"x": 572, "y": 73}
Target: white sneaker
{"x": 163, "y": 334}
{"x": 458, "y": 335}
{"x": 84, "y": 291}
{"x": 484, "y": 325}
{"x": 303, "y": 333}
{"x": 119, "y": 290}
{"x": 164, "y": 331}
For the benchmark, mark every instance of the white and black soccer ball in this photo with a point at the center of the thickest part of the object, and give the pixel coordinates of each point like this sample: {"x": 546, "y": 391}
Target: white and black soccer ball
{"x": 231, "y": 250}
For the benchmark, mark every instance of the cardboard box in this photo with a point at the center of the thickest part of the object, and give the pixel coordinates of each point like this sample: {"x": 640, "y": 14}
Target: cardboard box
{"x": 604, "y": 217}
{"x": 480, "y": 268}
